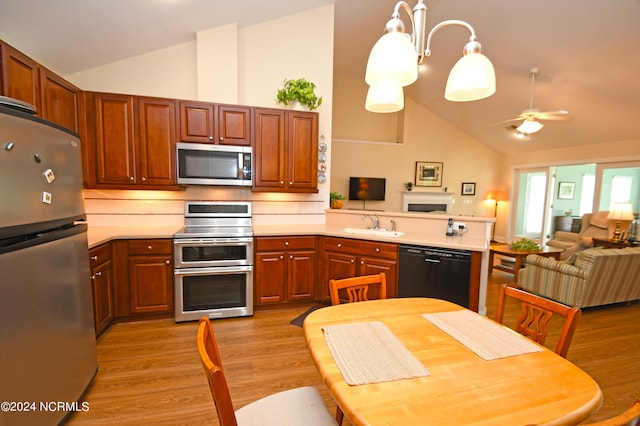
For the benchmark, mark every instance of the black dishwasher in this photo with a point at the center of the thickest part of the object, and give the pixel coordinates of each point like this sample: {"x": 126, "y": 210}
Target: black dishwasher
{"x": 434, "y": 272}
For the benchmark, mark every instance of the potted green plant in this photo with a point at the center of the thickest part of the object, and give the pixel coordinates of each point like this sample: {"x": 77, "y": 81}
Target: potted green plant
{"x": 408, "y": 186}
{"x": 337, "y": 200}
{"x": 300, "y": 90}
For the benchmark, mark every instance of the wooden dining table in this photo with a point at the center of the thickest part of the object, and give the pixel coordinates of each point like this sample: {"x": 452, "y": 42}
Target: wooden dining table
{"x": 461, "y": 387}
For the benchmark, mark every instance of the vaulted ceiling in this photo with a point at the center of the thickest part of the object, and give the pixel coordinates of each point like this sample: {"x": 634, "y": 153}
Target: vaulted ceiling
{"x": 586, "y": 50}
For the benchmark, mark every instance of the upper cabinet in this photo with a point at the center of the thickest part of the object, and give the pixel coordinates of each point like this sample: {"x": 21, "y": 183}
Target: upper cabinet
{"x": 205, "y": 122}
{"x": 133, "y": 145}
{"x": 285, "y": 150}
{"x": 55, "y": 98}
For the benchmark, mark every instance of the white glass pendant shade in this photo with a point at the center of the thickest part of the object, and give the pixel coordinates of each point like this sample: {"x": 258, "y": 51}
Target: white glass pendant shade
{"x": 530, "y": 125}
{"x": 385, "y": 97}
{"x": 394, "y": 58}
{"x": 470, "y": 79}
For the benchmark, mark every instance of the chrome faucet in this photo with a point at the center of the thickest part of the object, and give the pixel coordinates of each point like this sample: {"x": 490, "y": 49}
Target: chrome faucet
{"x": 394, "y": 226}
{"x": 375, "y": 220}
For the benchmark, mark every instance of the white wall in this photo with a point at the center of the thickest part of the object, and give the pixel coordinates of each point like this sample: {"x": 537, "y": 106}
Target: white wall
{"x": 264, "y": 56}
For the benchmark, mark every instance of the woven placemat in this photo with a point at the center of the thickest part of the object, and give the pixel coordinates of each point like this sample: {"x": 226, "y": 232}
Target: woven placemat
{"x": 488, "y": 339}
{"x": 368, "y": 352}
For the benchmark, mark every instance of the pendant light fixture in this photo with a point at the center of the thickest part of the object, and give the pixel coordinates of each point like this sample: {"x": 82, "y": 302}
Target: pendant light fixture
{"x": 394, "y": 59}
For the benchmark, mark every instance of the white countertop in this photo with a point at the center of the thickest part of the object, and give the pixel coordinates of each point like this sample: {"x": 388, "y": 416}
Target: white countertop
{"x": 103, "y": 234}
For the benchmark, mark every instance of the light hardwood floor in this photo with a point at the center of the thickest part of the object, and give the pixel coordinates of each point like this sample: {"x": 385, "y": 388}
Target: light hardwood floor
{"x": 150, "y": 373}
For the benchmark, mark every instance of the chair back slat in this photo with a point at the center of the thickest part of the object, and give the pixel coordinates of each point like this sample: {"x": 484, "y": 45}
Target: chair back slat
{"x": 357, "y": 288}
{"x": 535, "y": 315}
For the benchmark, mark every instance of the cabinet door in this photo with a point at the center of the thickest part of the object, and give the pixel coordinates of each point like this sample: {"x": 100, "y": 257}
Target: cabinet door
{"x": 19, "y": 76}
{"x": 302, "y": 150}
{"x": 102, "y": 284}
{"x": 233, "y": 125}
{"x": 268, "y": 151}
{"x": 196, "y": 122}
{"x": 337, "y": 266}
{"x": 59, "y": 100}
{"x": 156, "y": 141}
{"x": 270, "y": 273}
{"x": 370, "y": 266}
{"x": 301, "y": 272}
{"x": 114, "y": 143}
{"x": 151, "y": 283}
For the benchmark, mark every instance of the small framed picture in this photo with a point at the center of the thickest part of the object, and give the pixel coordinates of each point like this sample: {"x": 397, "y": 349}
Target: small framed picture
{"x": 428, "y": 173}
{"x": 566, "y": 190}
{"x": 468, "y": 188}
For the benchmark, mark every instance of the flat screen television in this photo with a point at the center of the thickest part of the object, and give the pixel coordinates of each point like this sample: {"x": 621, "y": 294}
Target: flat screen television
{"x": 368, "y": 189}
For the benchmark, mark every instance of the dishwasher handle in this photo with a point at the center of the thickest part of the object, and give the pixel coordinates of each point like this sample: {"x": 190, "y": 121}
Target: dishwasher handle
{"x": 426, "y": 259}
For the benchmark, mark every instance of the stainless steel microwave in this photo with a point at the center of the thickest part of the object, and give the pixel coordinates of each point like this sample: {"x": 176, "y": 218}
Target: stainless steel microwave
{"x": 204, "y": 164}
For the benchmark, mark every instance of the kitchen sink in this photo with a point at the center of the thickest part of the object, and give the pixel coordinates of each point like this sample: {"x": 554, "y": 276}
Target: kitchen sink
{"x": 376, "y": 232}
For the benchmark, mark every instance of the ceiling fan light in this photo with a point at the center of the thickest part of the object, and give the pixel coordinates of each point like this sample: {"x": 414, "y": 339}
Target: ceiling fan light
{"x": 471, "y": 78}
{"x": 394, "y": 58}
{"x": 529, "y": 126}
{"x": 385, "y": 97}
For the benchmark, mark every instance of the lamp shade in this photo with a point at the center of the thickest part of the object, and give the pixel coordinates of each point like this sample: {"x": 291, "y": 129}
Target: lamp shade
{"x": 529, "y": 126}
{"x": 385, "y": 97}
{"x": 621, "y": 211}
{"x": 393, "y": 58}
{"x": 470, "y": 79}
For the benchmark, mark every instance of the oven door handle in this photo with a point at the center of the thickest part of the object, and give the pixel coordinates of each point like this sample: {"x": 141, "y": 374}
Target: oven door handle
{"x": 213, "y": 242}
{"x": 216, "y": 270}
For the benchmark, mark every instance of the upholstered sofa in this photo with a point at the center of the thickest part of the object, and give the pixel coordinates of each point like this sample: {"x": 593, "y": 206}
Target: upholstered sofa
{"x": 597, "y": 277}
{"x": 593, "y": 226}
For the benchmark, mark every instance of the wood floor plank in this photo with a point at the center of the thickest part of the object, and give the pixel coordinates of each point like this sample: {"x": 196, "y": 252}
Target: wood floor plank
{"x": 150, "y": 373}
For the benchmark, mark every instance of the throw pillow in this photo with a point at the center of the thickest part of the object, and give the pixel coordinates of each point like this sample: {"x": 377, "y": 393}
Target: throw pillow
{"x": 572, "y": 260}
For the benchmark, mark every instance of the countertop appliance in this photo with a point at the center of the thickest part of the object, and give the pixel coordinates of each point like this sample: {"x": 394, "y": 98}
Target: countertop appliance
{"x": 213, "y": 258}
{"x": 434, "y": 272}
{"x": 212, "y": 164}
{"x": 47, "y": 338}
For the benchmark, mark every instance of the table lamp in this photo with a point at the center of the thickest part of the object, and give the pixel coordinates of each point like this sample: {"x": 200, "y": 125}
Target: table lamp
{"x": 620, "y": 212}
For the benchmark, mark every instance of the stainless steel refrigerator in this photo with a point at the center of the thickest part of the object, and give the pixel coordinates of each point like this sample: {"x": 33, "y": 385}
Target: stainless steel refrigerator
{"x": 47, "y": 340}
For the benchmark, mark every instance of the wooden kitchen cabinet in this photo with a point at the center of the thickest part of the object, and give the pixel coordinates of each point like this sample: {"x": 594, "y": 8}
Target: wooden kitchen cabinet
{"x": 345, "y": 258}
{"x": 285, "y": 269}
{"x": 285, "y": 150}
{"x": 133, "y": 145}
{"x": 102, "y": 279}
{"x": 204, "y": 122}
{"x": 150, "y": 270}
{"x": 55, "y": 98}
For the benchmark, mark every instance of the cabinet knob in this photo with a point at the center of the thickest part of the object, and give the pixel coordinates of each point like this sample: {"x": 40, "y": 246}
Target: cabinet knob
{"x": 353, "y": 261}
{"x": 210, "y": 138}
{"x": 281, "y": 257}
{"x": 281, "y": 182}
{"x": 149, "y": 248}
{"x": 221, "y": 138}
{"x": 167, "y": 262}
{"x": 362, "y": 262}
{"x": 286, "y": 243}
{"x": 131, "y": 178}
{"x": 92, "y": 277}
{"x": 377, "y": 250}
{"x": 98, "y": 274}
{"x": 143, "y": 179}
{"x": 94, "y": 257}
{"x": 290, "y": 256}
{"x": 339, "y": 245}
{"x": 290, "y": 183}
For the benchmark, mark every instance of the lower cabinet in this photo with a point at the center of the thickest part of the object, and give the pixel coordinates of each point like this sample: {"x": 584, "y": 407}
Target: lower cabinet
{"x": 345, "y": 258}
{"x": 102, "y": 286}
{"x": 285, "y": 269}
{"x": 144, "y": 276}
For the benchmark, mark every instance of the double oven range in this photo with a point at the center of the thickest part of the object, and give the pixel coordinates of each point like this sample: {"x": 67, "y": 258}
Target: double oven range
{"x": 213, "y": 257}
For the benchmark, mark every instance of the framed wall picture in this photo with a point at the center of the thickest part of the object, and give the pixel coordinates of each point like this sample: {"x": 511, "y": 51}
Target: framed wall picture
{"x": 468, "y": 188}
{"x": 428, "y": 173}
{"x": 566, "y": 190}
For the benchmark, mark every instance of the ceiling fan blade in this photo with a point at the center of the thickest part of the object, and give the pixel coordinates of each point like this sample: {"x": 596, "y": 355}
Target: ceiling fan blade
{"x": 553, "y": 117}
{"x": 558, "y": 113}
{"x": 509, "y": 120}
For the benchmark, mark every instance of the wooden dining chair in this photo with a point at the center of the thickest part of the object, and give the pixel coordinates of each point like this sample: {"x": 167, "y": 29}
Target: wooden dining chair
{"x": 357, "y": 288}
{"x": 630, "y": 417}
{"x": 293, "y": 407}
{"x": 535, "y": 315}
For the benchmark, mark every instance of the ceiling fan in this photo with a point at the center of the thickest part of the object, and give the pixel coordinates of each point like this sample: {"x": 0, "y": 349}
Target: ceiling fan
{"x": 531, "y": 116}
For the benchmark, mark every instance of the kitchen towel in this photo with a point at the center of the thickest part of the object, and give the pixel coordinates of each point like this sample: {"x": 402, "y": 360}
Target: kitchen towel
{"x": 488, "y": 339}
{"x": 368, "y": 352}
